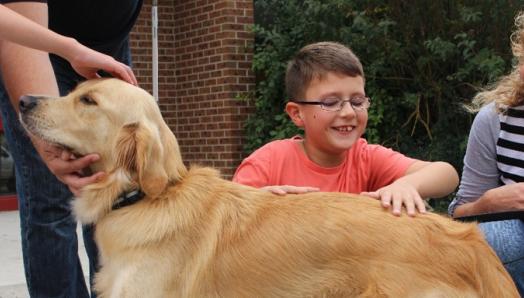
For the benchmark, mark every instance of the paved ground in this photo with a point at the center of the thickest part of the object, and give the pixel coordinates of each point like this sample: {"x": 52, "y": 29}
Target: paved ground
{"x": 12, "y": 281}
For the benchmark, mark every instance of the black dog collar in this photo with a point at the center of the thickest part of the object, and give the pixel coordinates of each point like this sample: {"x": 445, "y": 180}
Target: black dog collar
{"x": 128, "y": 198}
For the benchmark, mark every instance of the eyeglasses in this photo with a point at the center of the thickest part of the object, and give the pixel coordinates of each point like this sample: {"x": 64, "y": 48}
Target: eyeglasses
{"x": 335, "y": 104}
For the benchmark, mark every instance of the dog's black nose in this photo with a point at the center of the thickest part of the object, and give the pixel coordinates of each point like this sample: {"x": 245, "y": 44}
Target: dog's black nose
{"x": 27, "y": 102}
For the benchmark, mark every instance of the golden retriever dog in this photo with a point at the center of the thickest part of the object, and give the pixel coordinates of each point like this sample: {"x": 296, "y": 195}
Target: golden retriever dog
{"x": 193, "y": 234}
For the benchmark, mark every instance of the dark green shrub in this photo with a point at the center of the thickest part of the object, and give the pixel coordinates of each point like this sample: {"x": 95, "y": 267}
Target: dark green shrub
{"x": 422, "y": 59}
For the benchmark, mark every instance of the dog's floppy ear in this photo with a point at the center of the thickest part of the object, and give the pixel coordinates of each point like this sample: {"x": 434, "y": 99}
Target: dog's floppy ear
{"x": 139, "y": 151}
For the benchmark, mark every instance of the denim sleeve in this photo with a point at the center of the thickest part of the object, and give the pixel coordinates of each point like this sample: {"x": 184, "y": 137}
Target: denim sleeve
{"x": 480, "y": 172}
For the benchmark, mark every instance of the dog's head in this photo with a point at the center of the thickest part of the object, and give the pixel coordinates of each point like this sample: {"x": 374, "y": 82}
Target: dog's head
{"x": 120, "y": 122}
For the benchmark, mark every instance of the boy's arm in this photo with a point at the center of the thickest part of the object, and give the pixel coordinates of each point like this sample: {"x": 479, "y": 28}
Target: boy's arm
{"x": 431, "y": 179}
{"x": 421, "y": 180}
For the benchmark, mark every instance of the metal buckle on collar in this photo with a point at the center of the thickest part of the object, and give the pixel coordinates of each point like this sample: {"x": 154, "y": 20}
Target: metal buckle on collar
{"x": 128, "y": 198}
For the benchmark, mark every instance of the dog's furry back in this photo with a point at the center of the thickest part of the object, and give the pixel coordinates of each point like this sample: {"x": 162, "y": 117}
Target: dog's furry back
{"x": 209, "y": 237}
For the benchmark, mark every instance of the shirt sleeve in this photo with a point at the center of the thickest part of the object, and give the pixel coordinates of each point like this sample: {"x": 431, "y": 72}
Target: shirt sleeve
{"x": 480, "y": 172}
{"x": 255, "y": 169}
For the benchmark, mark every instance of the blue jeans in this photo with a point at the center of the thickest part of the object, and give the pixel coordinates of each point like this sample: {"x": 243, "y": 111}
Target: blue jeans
{"x": 48, "y": 228}
{"x": 507, "y": 240}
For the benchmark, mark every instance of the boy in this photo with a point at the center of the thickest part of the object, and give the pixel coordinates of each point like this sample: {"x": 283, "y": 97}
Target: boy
{"x": 325, "y": 84}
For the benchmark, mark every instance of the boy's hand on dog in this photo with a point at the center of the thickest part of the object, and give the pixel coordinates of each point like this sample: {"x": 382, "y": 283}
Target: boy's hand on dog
{"x": 66, "y": 167}
{"x": 289, "y": 189}
{"x": 397, "y": 194}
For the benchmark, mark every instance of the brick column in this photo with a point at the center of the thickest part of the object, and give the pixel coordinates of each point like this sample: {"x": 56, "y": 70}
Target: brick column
{"x": 213, "y": 54}
{"x": 205, "y": 54}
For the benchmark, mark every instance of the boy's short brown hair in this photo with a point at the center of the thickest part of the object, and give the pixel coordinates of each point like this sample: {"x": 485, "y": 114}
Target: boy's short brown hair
{"x": 314, "y": 61}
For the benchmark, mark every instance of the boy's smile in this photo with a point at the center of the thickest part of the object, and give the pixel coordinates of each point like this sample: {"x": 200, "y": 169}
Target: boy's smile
{"x": 329, "y": 134}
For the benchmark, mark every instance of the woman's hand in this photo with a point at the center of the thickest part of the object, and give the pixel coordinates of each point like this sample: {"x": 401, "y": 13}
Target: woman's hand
{"x": 87, "y": 62}
{"x": 504, "y": 198}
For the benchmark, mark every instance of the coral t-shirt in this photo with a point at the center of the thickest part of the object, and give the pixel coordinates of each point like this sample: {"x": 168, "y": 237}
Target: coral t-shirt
{"x": 283, "y": 162}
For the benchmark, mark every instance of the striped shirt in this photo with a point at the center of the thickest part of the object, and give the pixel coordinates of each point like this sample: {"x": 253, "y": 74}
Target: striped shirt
{"x": 481, "y": 163}
{"x": 510, "y": 146}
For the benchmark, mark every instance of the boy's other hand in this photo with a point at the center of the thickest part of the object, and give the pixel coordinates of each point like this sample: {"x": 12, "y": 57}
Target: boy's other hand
{"x": 397, "y": 194}
{"x": 289, "y": 189}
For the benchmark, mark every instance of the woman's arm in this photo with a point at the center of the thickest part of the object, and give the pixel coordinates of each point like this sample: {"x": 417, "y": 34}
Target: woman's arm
{"x": 479, "y": 190}
{"x": 503, "y": 198}
{"x": 28, "y": 71}
{"x": 18, "y": 29}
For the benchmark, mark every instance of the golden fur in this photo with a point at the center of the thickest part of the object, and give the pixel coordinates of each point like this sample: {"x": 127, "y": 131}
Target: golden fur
{"x": 197, "y": 235}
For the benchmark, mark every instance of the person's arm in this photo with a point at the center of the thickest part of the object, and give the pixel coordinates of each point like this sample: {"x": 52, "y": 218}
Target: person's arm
{"x": 421, "y": 180}
{"x": 431, "y": 179}
{"x": 18, "y": 29}
{"x": 27, "y": 71}
{"x": 503, "y": 198}
{"x": 479, "y": 190}
{"x": 480, "y": 174}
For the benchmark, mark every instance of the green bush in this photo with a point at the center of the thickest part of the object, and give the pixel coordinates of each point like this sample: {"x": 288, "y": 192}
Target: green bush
{"x": 422, "y": 59}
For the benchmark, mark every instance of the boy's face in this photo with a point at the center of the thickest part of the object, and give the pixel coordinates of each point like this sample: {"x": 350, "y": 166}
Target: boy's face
{"x": 330, "y": 133}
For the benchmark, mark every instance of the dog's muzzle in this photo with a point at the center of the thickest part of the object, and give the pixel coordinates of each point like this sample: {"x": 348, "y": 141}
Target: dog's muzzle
{"x": 27, "y": 103}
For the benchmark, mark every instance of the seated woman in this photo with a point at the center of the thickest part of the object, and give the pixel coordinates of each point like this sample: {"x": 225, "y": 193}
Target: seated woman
{"x": 493, "y": 174}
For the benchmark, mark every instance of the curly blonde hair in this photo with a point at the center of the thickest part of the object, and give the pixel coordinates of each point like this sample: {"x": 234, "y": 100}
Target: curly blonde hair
{"x": 509, "y": 90}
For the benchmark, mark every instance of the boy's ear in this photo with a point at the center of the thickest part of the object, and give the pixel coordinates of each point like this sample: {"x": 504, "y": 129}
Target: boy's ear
{"x": 294, "y": 112}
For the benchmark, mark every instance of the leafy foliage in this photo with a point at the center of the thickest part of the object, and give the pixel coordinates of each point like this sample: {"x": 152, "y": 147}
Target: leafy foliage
{"x": 422, "y": 59}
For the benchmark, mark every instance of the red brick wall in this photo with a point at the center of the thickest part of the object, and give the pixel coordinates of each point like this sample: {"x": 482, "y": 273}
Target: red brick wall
{"x": 205, "y": 53}
{"x": 141, "y": 50}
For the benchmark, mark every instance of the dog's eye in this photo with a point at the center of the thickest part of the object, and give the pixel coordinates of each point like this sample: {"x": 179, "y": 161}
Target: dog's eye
{"x": 87, "y": 100}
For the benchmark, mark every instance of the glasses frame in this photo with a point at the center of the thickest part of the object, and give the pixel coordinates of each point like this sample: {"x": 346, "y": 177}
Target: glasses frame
{"x": 320, "y": 103}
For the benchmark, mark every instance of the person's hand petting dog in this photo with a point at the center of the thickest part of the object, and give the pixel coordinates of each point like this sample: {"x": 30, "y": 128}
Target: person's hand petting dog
{"x": 87, "y": 62}
{"x": 409, "y": 189}
{"x": 399, "y": 194}
{"x": 289, "y": 189}
{"x": 394, "y": 195}
{"x": 66, "y": 167}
